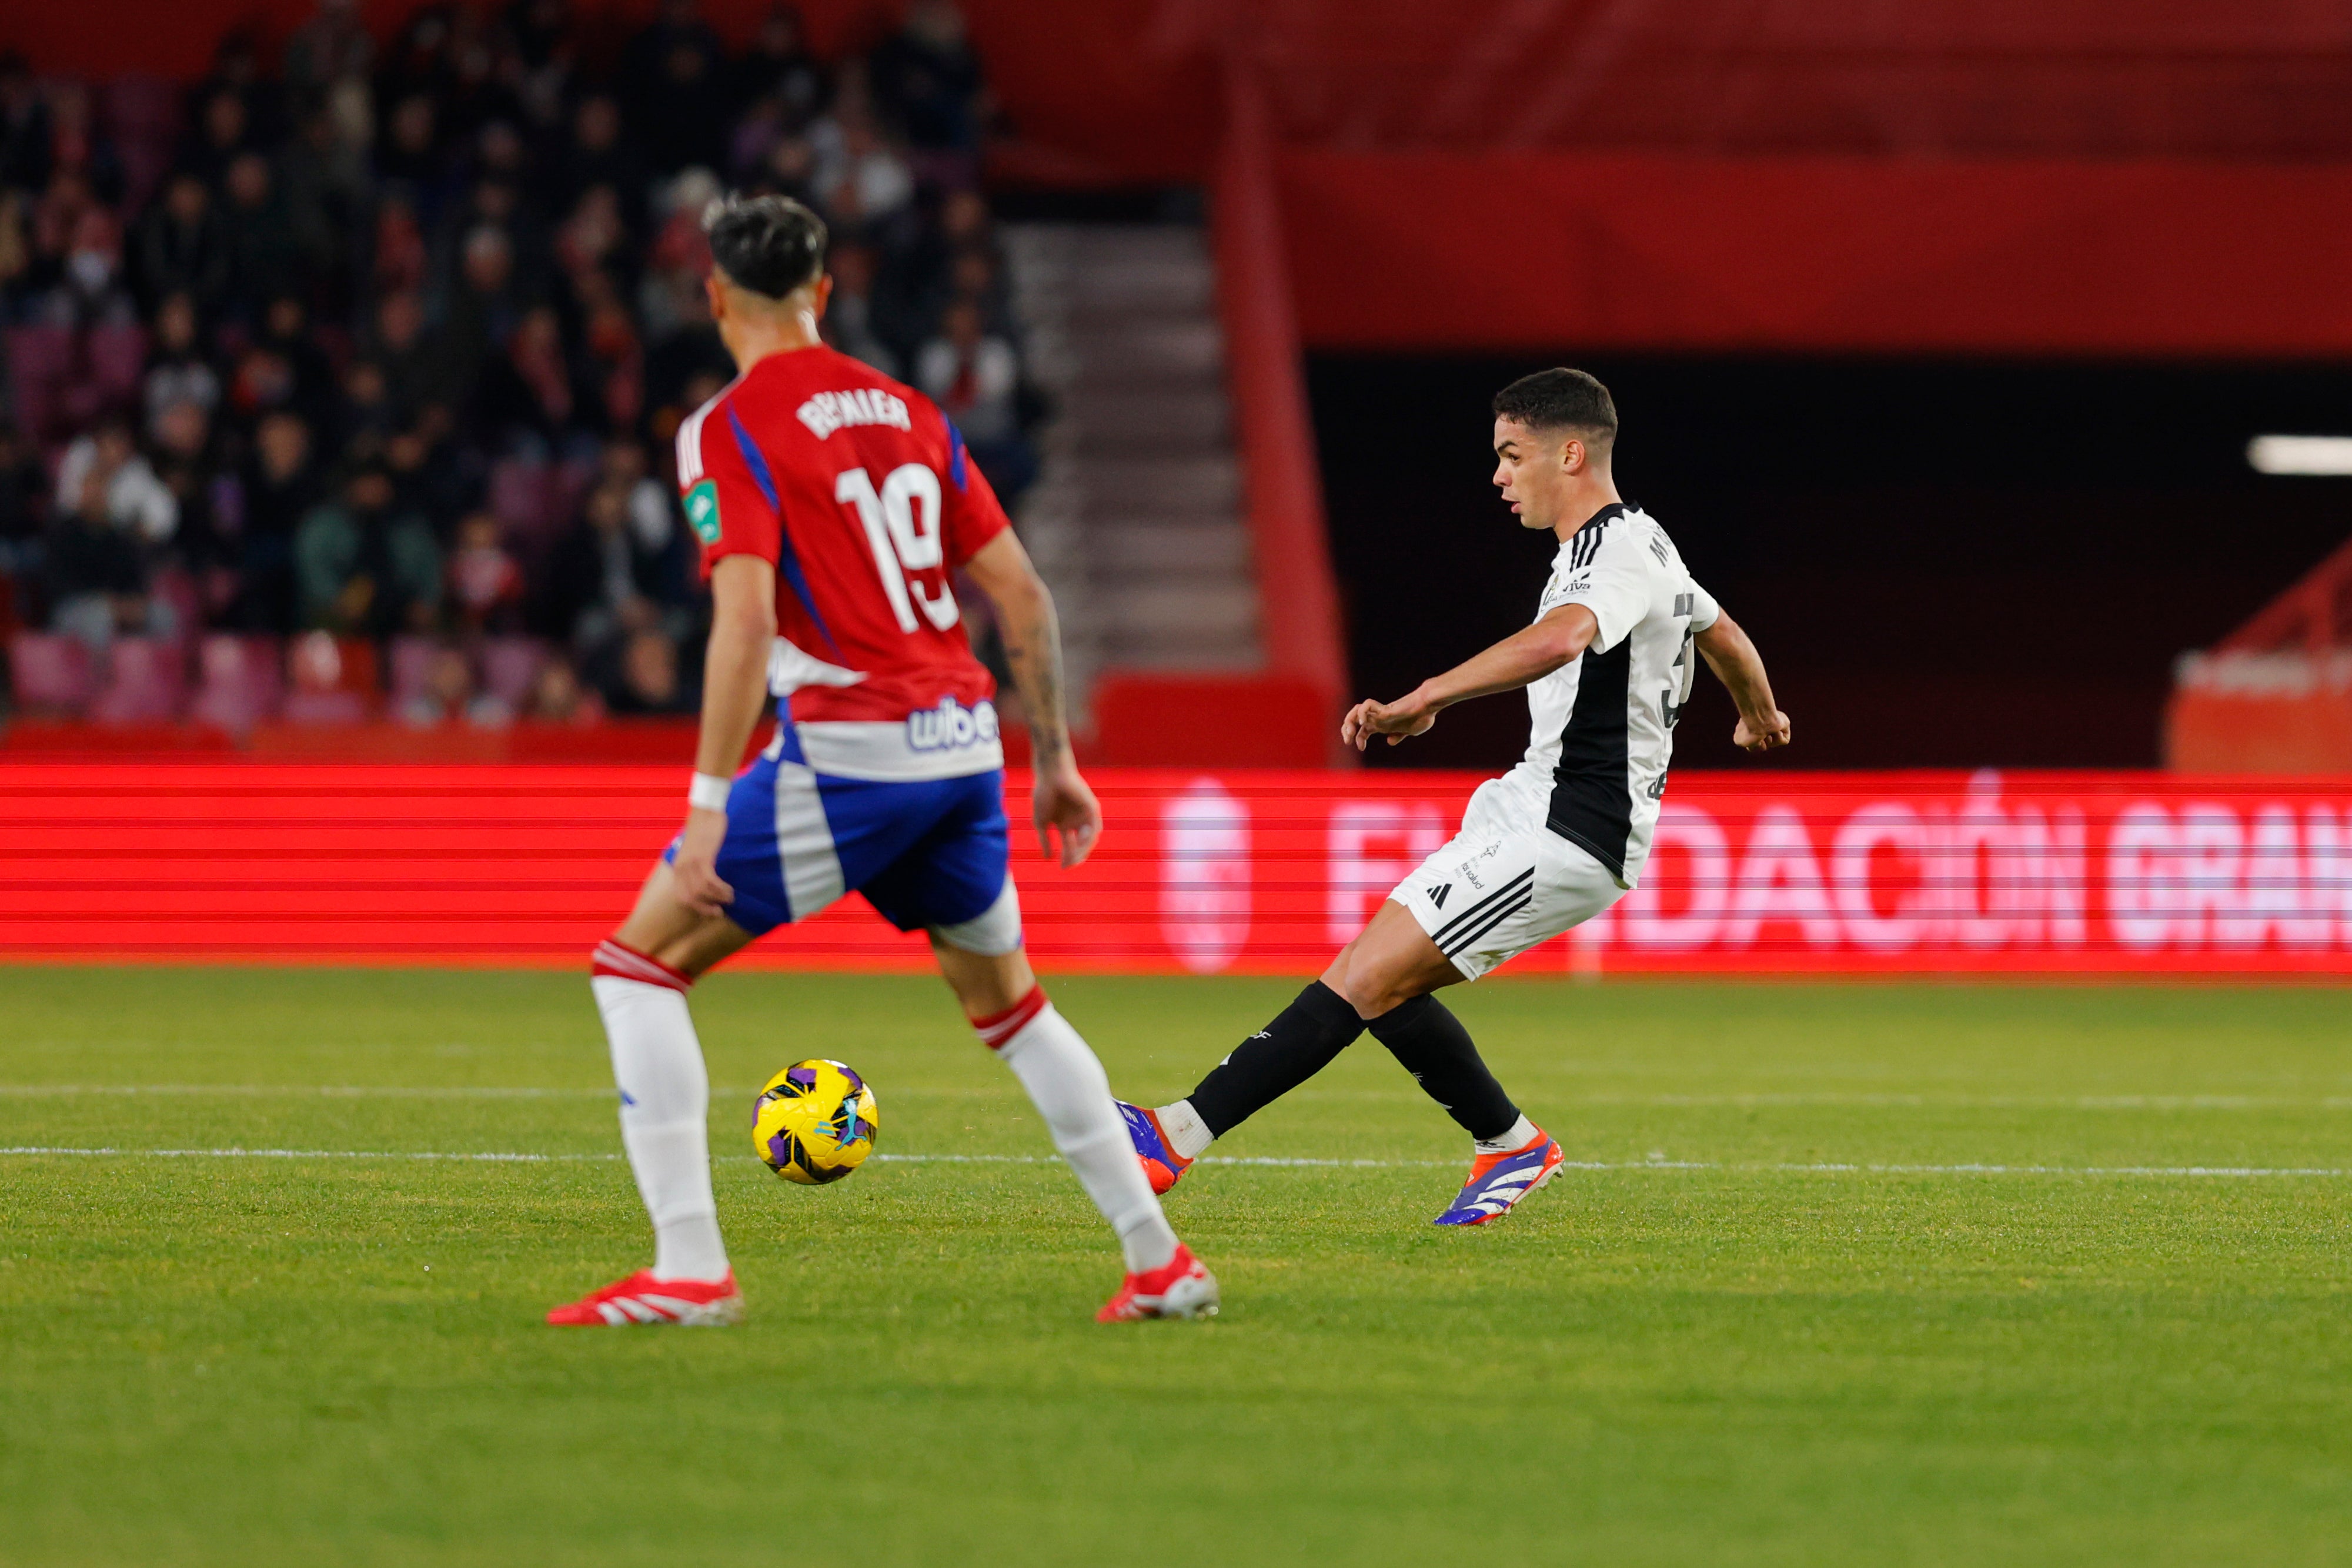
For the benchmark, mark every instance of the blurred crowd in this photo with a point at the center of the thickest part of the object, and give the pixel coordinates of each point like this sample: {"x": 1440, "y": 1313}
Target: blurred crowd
{"x": 346, "y": 387}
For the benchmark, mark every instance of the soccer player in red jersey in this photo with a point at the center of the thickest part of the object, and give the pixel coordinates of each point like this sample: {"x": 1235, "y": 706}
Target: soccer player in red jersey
{"x": 832, "y": 503}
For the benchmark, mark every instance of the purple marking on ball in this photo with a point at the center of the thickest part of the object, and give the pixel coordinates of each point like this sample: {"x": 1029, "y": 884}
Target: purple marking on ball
{"x": 856, "y": 1085}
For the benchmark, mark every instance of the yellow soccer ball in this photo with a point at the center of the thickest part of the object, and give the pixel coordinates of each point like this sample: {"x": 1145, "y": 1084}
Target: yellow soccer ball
{"x": 814, "y": 1121}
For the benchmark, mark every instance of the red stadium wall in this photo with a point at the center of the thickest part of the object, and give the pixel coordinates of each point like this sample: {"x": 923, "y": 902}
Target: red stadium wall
{"x": 1510, "y": 250}
{"x": 1244, "y": 871}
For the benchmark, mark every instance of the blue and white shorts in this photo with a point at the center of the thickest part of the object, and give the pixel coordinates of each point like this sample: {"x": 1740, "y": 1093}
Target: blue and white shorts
{"x": 928, "y": 854}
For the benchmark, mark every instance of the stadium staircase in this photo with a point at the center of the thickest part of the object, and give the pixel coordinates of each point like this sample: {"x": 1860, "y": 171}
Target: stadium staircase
{"x": 1136, "y": 518}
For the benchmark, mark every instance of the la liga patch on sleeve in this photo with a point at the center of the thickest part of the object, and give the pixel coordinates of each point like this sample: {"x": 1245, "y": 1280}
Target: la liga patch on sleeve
{"x": 702, "y": 511}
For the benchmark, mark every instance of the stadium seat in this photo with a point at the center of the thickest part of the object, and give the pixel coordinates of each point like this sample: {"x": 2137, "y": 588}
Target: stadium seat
{"x": 146, "y": 682}
{"x": 40, "y": 365}
{"x": 412, "y": 669}
{"x": 51, "y": 675}
{"x": 242, "y": 682}
{"x": 329, "y": 685}
{"x": 511, "y": 665}
{"x": 517, "y": 496}
{"x": 118, "y": 358}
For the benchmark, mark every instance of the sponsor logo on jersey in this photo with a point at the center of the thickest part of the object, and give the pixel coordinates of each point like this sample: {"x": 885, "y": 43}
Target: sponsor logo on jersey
{"x": 830, "y": 411}
{"x": 1438, "y": 897}
{"x": 951, "y": 725}
{"x": 702, "y": 511}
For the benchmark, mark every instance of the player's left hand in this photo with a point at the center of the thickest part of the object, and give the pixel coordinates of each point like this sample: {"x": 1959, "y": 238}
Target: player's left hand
{"x": 1408, "y": 716}
{"x": 1065, "y": 805}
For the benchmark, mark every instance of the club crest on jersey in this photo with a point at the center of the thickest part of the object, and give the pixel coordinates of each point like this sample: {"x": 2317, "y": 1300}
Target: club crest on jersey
{"x": 830, "y": 411}
{"x": 951, "y": 725}
{"x": 702, "y": 511}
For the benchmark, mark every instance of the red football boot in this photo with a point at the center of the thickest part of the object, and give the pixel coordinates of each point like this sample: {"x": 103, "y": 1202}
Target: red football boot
{"x": 642, "y": 1298}
{"x": 1179, "y": 1287}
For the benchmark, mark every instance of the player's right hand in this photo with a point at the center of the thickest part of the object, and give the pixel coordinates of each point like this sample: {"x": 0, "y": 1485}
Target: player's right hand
{"x": 1761, "y": 733}
{"x": 1403, "y": 717}
{"x": 696, "y": 864}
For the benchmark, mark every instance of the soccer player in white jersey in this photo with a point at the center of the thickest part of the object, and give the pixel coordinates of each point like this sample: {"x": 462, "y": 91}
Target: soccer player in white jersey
{"x": 1607, "y": 666}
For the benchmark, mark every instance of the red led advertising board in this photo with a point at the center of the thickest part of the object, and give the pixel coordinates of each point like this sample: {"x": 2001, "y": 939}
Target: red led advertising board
{"x": 1238, "y": 871}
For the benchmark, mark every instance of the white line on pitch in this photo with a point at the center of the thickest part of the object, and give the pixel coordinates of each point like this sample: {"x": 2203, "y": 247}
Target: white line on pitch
{"x": 1759, "y": 1101}
{"x": 1820, "y": 1168}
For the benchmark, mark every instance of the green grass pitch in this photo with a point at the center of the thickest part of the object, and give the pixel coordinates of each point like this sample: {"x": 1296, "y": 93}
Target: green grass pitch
{"x": 1715, "y": 1348}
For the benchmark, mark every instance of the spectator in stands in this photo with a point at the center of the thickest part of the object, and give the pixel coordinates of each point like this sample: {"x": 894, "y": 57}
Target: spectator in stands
{"x": 926, "y": 79}
{"x": 16, "y": 256}
{"x": 975, "y": 378}
{"x": 21, "y": 513}
{"x": 448, "y": 692}
{"x": 182, "y": 246}
{"x": 365, "y": 419}
{"x": 558, "y": 697}
{"x": 328, "y": 49}
{"x": 780, "y": 71}
{"x": 188, "y": 462}
{"x": 98, "y": 572}
{"x": 485, "y": 588}
{"x": 23, "y": 125}
{"x": 265, "y": 262}
{"x": 278, "y": 489}
{"x": 78, "y": 145}
{"x": 411, "y": 376}
{"x": 599, "y": 152}
{"x": 310, "y": 379}
{"x": 484, "y": 307}
{"x": 640, "y": 675}
{"x": 177, "y": 371}
{"x": 364, "y": 568}
{"x": 409, "y": 154}
{"x": 419, "y": 259}
{"x": 222, "y": 133}
{"x": 319, "y": 695}
{"x": 528, "y": 404}
{"x": 132, "y": 499}
{"x": 849, "y": 317}
{"x": 607, "y": 576}
{"x": 679, "y": 89}
{"x": 652, "y": 511}
{"x": 87, "y": 249}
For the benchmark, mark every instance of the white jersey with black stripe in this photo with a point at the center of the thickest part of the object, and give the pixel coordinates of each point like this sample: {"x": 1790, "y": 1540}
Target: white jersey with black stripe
{"x": 1602, "y": 731}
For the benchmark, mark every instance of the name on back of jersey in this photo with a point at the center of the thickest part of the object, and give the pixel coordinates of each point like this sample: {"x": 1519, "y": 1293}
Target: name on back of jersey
{"x": 828, "y": 411}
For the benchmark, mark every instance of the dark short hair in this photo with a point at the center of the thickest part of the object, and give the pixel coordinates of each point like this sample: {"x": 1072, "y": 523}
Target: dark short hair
{"x": 1559, "y": 399}
{"x": 768, "y": 245}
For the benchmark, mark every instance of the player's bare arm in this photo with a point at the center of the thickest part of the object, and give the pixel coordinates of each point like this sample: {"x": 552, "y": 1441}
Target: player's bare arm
{"x": 734, "y": 690}
{"x": 1728, "y": 651}
{"x": 1524, "y": 657}
{"x": 1063, "y": 806}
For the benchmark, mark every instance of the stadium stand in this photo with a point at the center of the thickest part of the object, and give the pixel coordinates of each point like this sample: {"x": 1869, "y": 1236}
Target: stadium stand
{"x": 340, "y": 382}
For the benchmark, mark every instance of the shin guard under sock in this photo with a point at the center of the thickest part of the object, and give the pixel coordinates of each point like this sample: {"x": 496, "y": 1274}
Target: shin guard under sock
{"x": 1300, "y": 1043}
{"x": 1431, "y": 1045}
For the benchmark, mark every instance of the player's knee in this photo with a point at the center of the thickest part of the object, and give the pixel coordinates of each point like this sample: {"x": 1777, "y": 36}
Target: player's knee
{"x": 993, "y": 933}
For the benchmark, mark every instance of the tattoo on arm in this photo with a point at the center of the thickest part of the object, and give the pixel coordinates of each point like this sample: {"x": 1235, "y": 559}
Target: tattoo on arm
{"x": 1033, "y": 649}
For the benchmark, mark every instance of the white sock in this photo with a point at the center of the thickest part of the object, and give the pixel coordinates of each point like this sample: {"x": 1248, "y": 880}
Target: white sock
{"x": 1068, "y": 1085}
{"x": 665, "y": 1108}
{"x": 1187, "y": 1133}
{"x": 1523, "y": 1133}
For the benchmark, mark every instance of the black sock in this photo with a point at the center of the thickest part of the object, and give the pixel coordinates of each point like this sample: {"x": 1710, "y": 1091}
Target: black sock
{"x": 1432, "y": 1044}
{"x": 1300, "y": 1043}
